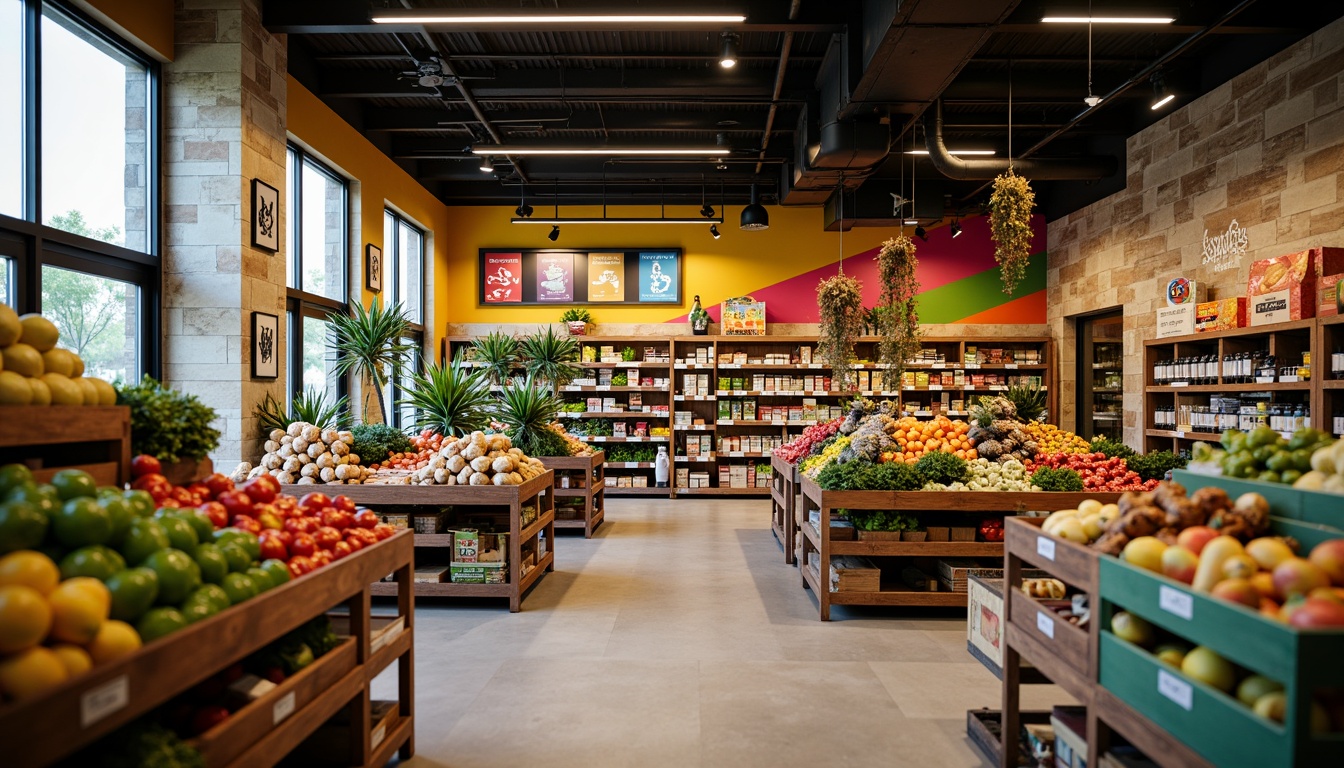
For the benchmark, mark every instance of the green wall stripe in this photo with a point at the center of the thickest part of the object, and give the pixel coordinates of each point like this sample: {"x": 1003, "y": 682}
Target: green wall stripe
{"x": 977, "y": 293}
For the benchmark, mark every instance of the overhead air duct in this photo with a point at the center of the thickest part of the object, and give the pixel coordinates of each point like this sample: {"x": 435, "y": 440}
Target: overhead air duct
{"x": 1036, "y": 169}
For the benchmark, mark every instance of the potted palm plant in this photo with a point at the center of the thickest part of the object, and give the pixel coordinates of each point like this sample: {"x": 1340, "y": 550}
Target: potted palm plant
{"x": 451, "y": 399}
{"x": 497, "y": 352}
{"x": 310, "y": 405}
{"x": 549, "y": 357}
{"x": 577, "y": 319}
{"x": 527, "y": 410}
{"x": 370, "y": 343}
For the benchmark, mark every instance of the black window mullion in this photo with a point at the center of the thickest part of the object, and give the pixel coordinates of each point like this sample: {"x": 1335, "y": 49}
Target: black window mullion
{"x": 32, "y": 108}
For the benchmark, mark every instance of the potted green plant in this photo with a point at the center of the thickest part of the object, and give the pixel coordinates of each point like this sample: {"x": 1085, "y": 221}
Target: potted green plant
{"x": 452, "y": 399}
{"x": 527, "y": 410}
{"x": 310, "y": 405}
{"x": 497, "y": 352}
{"x": 550, "y": 357}
{"x": 577, "y": 319}
{"x": 172, "y": 426}
{"x": 371, "y": 344}
{"x": 698, "y": 317}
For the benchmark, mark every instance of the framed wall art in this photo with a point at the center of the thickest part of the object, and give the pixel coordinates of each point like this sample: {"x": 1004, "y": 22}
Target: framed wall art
{"x": 373, "y": 268}
{"x": 512, "y": 276}
{"x": 265, "y": 216}
{"x": 265, "y": 346}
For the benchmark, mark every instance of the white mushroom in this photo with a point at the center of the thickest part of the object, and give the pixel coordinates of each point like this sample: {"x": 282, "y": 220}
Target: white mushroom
{"x": 441, "y": 476}
{"x": 330, "y": 436}
{"x": 271, "y": 446}
{"x": 306, "y": 481}
{"x": 277, "y": 435}
{"x": 304, "y": 458}
{"x": 286, "y": 451}
{"x": 326, "y": 461}
{"x": 309, "y": 470}
{"x": 295, "y": 429}
{"x": 256, "y": 472}
{"x": 292, "y": 464}
{"x": 312, "y": 434}
{"x": 285, "y": 478}
{"x": 339, "y": 448}
{"x": 299, "y": 445}
{"x": 316, "y": 449}
{"x": 327, "y": 474}
{"x": 478, "y": 478}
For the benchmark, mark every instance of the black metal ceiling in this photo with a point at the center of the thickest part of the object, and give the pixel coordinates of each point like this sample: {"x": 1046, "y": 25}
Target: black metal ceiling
{"x": 646, "y": 87}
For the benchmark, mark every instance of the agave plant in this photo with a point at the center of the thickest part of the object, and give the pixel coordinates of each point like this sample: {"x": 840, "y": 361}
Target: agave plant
{"x": 550, "y": 357}
{"x": 1029, "y": 400}
{"x": 310, "y": 405}
{"x": 370, "y": 343}
{"x": 498, "y": 352}
{"x": 528, "y": 410}
{"x": 451, "y": 399}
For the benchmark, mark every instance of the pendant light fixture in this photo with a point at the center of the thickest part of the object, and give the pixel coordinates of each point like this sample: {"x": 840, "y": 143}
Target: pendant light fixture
{"x": 555, "y": 233}
{"x": 486, "y": 165}
{"x": 714, "y": 230}
{"x": 754, "y": 216}
{"x": 728, "y": 50}
{"x": 1091, "y": 99}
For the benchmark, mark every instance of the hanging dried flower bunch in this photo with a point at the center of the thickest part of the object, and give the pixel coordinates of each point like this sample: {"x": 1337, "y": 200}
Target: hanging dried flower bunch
{"x": 899, "y": 318}
{"x": 840, "y": 299}
{"x": 1010, "y": 226}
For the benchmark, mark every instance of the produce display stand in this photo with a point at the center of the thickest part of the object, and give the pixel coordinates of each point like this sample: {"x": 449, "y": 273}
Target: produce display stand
{"x": 818, "y": 547}
{"x": 502, "y": 500}
{"x": 76, "y": 714}
{"x": 587, "y": 481}
{"x": 782, "y": 496}
{"x": 49, "y": 438}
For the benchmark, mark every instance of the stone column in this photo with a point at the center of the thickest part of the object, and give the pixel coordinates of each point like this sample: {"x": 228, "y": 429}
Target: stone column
{"x": 224, "y": 126}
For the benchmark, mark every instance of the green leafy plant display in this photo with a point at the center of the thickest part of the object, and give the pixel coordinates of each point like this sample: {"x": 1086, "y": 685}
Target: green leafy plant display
{"x": 550, "y": 357}
{"x": 882, "y": 520}
{"x": 620, "y": 380}
{"x": 1113, "y": 449}
{"x": 371, "y": 344}
{"x": 375, "y": 442}
{"x": 636, "y": 452}
{"x": 864, "y": 476}
{"x": 310, "y": 405}
{"x": 942, "y": 467}
{"x": 577, "y": 315}
{"x": 498, "y": 353}
{"x": 628, "y": 355}
{"x": 168, "y": 424}
{"x": 528, "y": 411}
{"x": 1062, "y": 479}
{"x": 452, "y": 399}
{"x": 1029, "y": 399}
{"x": 1155, "y": 465}
{"x": 897, "y": 314}
{"x": 840, "y": 300}
{"x": 1010, "y": 207}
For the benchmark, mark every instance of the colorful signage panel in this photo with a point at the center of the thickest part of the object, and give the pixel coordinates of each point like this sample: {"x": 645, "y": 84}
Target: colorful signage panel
{"x": 606, "y": 277}
{"x": 502, "y": 278}
{"x": 555, "y": 277}
{"x": 658, "y": 274}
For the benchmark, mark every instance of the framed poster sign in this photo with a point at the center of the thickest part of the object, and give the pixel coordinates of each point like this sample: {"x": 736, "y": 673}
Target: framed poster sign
{"x": 511, "y": 276}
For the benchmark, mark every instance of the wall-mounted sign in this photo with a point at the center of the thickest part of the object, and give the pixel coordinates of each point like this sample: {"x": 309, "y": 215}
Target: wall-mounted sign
{"x": 1176, "y": 321}
{"x": 1180, "y": 291}
{"x": 1224, "y": 252}
{"x": 565, "y": 276}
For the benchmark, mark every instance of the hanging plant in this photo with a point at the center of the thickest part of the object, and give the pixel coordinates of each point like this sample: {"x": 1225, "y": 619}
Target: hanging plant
{"x": 840, "y": 299}
{"x": 1010, "y": 226}
{"x": 898, "y": 318}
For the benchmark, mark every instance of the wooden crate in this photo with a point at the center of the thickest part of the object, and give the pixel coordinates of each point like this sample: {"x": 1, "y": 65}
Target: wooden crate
{"x": 854, "y": 574}
{"x": 47, "y": 439}
{"x": 1284, "y": 500}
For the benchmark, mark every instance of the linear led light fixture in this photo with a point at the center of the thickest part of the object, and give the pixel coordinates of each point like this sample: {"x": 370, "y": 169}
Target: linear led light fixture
{"x": 952, "y": 152}
{"x": 1107, "y": 19}
{"x": 617, "y": 220}
{"x": 1161, "y": 102}
{"x": 458, "y": 17}
{"x": 501, "y": 149}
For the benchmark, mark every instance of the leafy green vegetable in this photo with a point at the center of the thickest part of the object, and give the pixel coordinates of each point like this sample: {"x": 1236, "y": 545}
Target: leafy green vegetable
{"x": 865, "y": 476}
{"x": 620, "y": 380}
{"x": 1063, "y": 479}
{"x": 375, "y": 442}
{"x": 942, "y": 467}
{"x": 1113, "y": 449}
{"x": 1155, "y": 465}
{"x": 882, "y": 520}
{"x": 141, "y": 744}
{"x": 628, "y": 354}
{"x": 168, "y": 424}
{"x": 634, "y": 452}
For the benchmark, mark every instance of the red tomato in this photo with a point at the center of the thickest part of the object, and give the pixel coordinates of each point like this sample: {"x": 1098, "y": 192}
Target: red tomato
{"x": 364, "y": 534}
{"x": 366, "y": 518}
{"x": 200, "y": 489}
{"x": 237, "y": 502}
{"x": 293, "y": 525}
{"x": 300, "y": 565}
{"x": 284, "y": 536}
{"x": 143, "y": 465}
{"x": 273, "y": 548}
{"x": 326, "y": 537}
{"x": 383, "y": 531}
{"x": 314, "y": 501}
{"x": 322, "y": 557}
{"x": 219, "y": 516}
{"x": 355, "y": 542}
{"x": 286, "y": 503}
{"x": 337, "y": 518}
{"x": 344, "y": 502}
{"x": 218, "y": 483}
{"x": 208, "y": 717}
{"x": 246, "y": 523}
{"x": 183, "y": 497}
{"x": 167, "y": 504}
{"x": 263, "y": 488}
{"x": 341, "y": 549}
{"x": 302, "y": 545}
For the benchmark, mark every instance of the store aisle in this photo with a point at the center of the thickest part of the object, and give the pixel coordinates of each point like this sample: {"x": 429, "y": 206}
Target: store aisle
{"x": 677, "y": 636}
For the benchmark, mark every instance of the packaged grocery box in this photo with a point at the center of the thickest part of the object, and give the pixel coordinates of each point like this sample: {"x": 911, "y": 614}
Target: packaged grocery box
{"x": 1327, "y": 293}
{"x": 1220, "y": 315}
{"x": 1282, "y": 289}
{"x": 743, "y": 316}
{"x": 1327, "y": 261}
{"x": 477, "y": 573}
{"x": 466, "y": 545}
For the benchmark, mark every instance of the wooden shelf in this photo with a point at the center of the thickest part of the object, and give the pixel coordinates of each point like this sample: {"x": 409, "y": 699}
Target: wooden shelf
{"x": 1332, "y": 384}
{"x": 650, "y": 491}
{"x": 1214, "y": 436}
{"x": 609, "y": 439}
{"x": 48, "y": 438}
{"x": 715, "y": 491}
{"x": 1298, "y": 386}
{"x": 607, "y": 388}
{"x": 914, "y": 548}
{"x": 630, "y": 465}
{"x": 646, "y": 415}
{"x": 890, "y": 595}
{"x": 625, "y": 364}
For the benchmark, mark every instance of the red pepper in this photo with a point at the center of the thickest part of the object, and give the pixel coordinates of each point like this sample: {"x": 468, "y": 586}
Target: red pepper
{"x": 991, "y": 529}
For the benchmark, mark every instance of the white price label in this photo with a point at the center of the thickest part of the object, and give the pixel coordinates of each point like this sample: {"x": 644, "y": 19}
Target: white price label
{"x": 1045, "y": 547}
{"x": 1176, "y": 689}
{"x": 603, "y": 387}
{"x": 969, "y": 387}
{"x": 972, "y": 366}
{"x": 938, "y": 366}
{"x": 282, "y": 708}
{"x": 1180, "y": 383}
{"x": 1176, "y": 602}
{"x": 1010, "y": 366}
{"x": 935, "y": 387}
{"x": 1288, "y": 379}
{"x": 729, "y": 365}
{"x": 1180, "y": 433}
{"x": 379, "y": 734}
{"x": 1045, "y": 625}
{"x": 98, "y": 703}
{"x": 817, "y": 366}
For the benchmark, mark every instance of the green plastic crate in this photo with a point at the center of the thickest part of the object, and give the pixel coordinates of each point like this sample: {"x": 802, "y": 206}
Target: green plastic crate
{"x": 1284, "y": 500}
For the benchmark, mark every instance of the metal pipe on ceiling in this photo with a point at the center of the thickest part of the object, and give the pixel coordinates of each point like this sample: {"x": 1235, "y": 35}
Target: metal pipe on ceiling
{"x": 962, "y": 169}
{"x": 784, "y": 50}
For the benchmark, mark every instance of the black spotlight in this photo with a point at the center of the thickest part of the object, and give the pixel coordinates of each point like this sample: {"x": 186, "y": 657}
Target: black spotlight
{"x": 523, "y": 211}
{"x": 922, "y": 234}
{"x": 754, "y": 216}
{"x": 707, "y": 211}
{"x": 956, "y": 229}
{"x": 555, "y": 233}
{"x": 714, "y": 230}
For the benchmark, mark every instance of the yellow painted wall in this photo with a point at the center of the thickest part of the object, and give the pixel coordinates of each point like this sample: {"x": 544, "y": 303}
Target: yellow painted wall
{"x": 736, "y": 264}
{"x": 149, "y": 22}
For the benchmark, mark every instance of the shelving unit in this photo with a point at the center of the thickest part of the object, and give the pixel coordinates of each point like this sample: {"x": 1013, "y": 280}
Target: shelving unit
{"x": 583, "y": 478}
{"x": 1100, "y": 376}
{"x": 494, "y": 501}
{"x": 1285, "y": 341}
{"x": 49, "y": 438}
{"x": 83, "y": 710}
{"x": 782, "y": 521}
{"x": 1330, "y": 394}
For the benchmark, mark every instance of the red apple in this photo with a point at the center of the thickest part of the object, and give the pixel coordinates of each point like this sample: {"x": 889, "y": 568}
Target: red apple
{"x": 246, "y": 523}
{"x": 219, "y": 516}
{"x": 1329, "y": 557}
{"x": 366, "y": 518}
{"x": 263, "y": 488}
{"x": 183, "y": 497}
{"x": 285, "y": 503}
{"x": 355, "y": 542}
{"x": 144, "y": 464}
{"x": 322, "y": 557}
{"x": 1179, "y": 563}
{"x": 300, "y": 565}
{"x": 363, "y": 534}
{"x": 273, "y": 548}
{"x": 237, "y": 502}
{"x": 1315, "y": 613}
{"x": 200, "y": 489}
{"x": 344, "y": 502}
{"x": 218, "y": 483}
{"x": 383, "y": 531}
{"x": 337, "y": 518}
{"x": 302, "y": 545}
{"x": 326, "y": 537}
{"x": 314, "y": 500}
{"x": 1195, "y": 537}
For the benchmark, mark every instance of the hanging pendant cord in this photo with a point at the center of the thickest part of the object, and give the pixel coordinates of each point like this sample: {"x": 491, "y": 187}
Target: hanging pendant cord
{"x": 1010, "y": 114}
{"x": 841, "y": 191}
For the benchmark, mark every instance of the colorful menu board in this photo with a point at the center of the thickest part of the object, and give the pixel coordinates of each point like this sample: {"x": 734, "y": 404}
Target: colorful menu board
{"x": 561, "y": 276}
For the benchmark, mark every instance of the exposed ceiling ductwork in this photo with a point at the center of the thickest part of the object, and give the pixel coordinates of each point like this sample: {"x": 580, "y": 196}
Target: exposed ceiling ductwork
{"x": 1040, "y": 169}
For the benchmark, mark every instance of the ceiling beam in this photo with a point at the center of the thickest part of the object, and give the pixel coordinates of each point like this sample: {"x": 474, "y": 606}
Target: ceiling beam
{"x": 411, "y": 120}
{"x": 340, "y": 58}
{"x": 579, "y": 85}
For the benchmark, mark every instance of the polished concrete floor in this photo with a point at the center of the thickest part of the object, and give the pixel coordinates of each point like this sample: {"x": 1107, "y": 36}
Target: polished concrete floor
{"x": 677, "y": 636}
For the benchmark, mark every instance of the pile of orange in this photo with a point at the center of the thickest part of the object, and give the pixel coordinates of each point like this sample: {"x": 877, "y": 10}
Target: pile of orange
{"x": 917, "y": 438}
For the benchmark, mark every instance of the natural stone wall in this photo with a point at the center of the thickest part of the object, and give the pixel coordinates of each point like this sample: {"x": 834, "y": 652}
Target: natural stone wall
{"x": 1265, "y": 149}
{"x": 224, "y": 125}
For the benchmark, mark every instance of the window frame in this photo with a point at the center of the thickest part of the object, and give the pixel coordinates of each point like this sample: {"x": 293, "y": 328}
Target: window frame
{"x": 31, "y": 245}
{"x": 415, "y": 331}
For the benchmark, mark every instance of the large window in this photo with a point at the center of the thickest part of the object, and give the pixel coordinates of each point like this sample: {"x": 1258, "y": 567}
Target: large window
{"x": 316, "y": 246}
{"x": 404, "y": 283}
{"x": 78, "y": 190}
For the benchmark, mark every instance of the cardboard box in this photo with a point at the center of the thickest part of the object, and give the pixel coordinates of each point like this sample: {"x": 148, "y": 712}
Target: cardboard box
{"x": 742, "y": 317}
{"x": 1282, "y": 289}
{"x": 477, "y": 573}
{"x": 1327, "y": 287}
{"x": 466, "y": 545}
{"x": 1220, "y": 315}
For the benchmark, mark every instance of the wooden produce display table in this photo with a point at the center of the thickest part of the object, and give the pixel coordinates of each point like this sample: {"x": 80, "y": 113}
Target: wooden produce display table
{"x": 55, "y": 725}
{"x": 818, "y": 547}
{"x": 500, "y": 500}
{"x": 49, "y": 438}
{"x": 782, "y": 496}
{"x": 587, "y": 481}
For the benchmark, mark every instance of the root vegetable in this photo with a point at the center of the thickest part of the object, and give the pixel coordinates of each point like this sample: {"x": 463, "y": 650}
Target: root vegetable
{"x": 480, "y": 463}
{"x": 327, "y": 474}
{"x": 271, "y": 446}
{"x": 312, "y": 434}
{"x": 456, "y": 463}
{"x": 502, "y": 464}
{"x": 478, "y": 478}
{"x": 315, "y": 450}
{"x": 339, "y": 448}
{"x": 277, "y": 435}
{"x": 330, "y": 436}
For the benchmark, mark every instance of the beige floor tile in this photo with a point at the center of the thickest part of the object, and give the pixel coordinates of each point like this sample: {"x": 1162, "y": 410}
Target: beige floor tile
{"x": 947, "y": 690}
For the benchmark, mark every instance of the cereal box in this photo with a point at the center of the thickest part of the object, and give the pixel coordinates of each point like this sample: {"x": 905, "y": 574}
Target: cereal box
{"x": 1220, "y": 315}
{"x": 1282, "y": 289}
{"x": 1327, "y": 290}
{"x": 743, "y": 316}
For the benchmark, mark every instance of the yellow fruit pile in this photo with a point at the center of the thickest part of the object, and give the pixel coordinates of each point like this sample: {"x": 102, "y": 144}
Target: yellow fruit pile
{"x": 53, "y": 630}
{"x": 35, "y": 372}
{"x": 1052, "y": 439}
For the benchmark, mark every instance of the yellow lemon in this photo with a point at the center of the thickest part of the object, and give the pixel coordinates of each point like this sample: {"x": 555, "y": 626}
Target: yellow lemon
{"x": 89, "y": 586}
{"x": 63, "y": 390}
{"x": 78, "y": 362}
{"x": 10, "y": 327}
{"x": 29, "y": 569}
{"x": 28, "y": 674}
{"x": 23, "y": 359}
{"x": 107, "y": 394}
{"x": 41, "y": 392}
{"x": 14, "y": 389}
{"x": 78, "y": 611}
{"x": 89, "y": 390}
{"x": 38, "y": 332}
{"x": 25, "y": 618}
{"x": 58, "y": 361}
{"x": 114, "y": 640}
{"x": 76, "y": 660}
